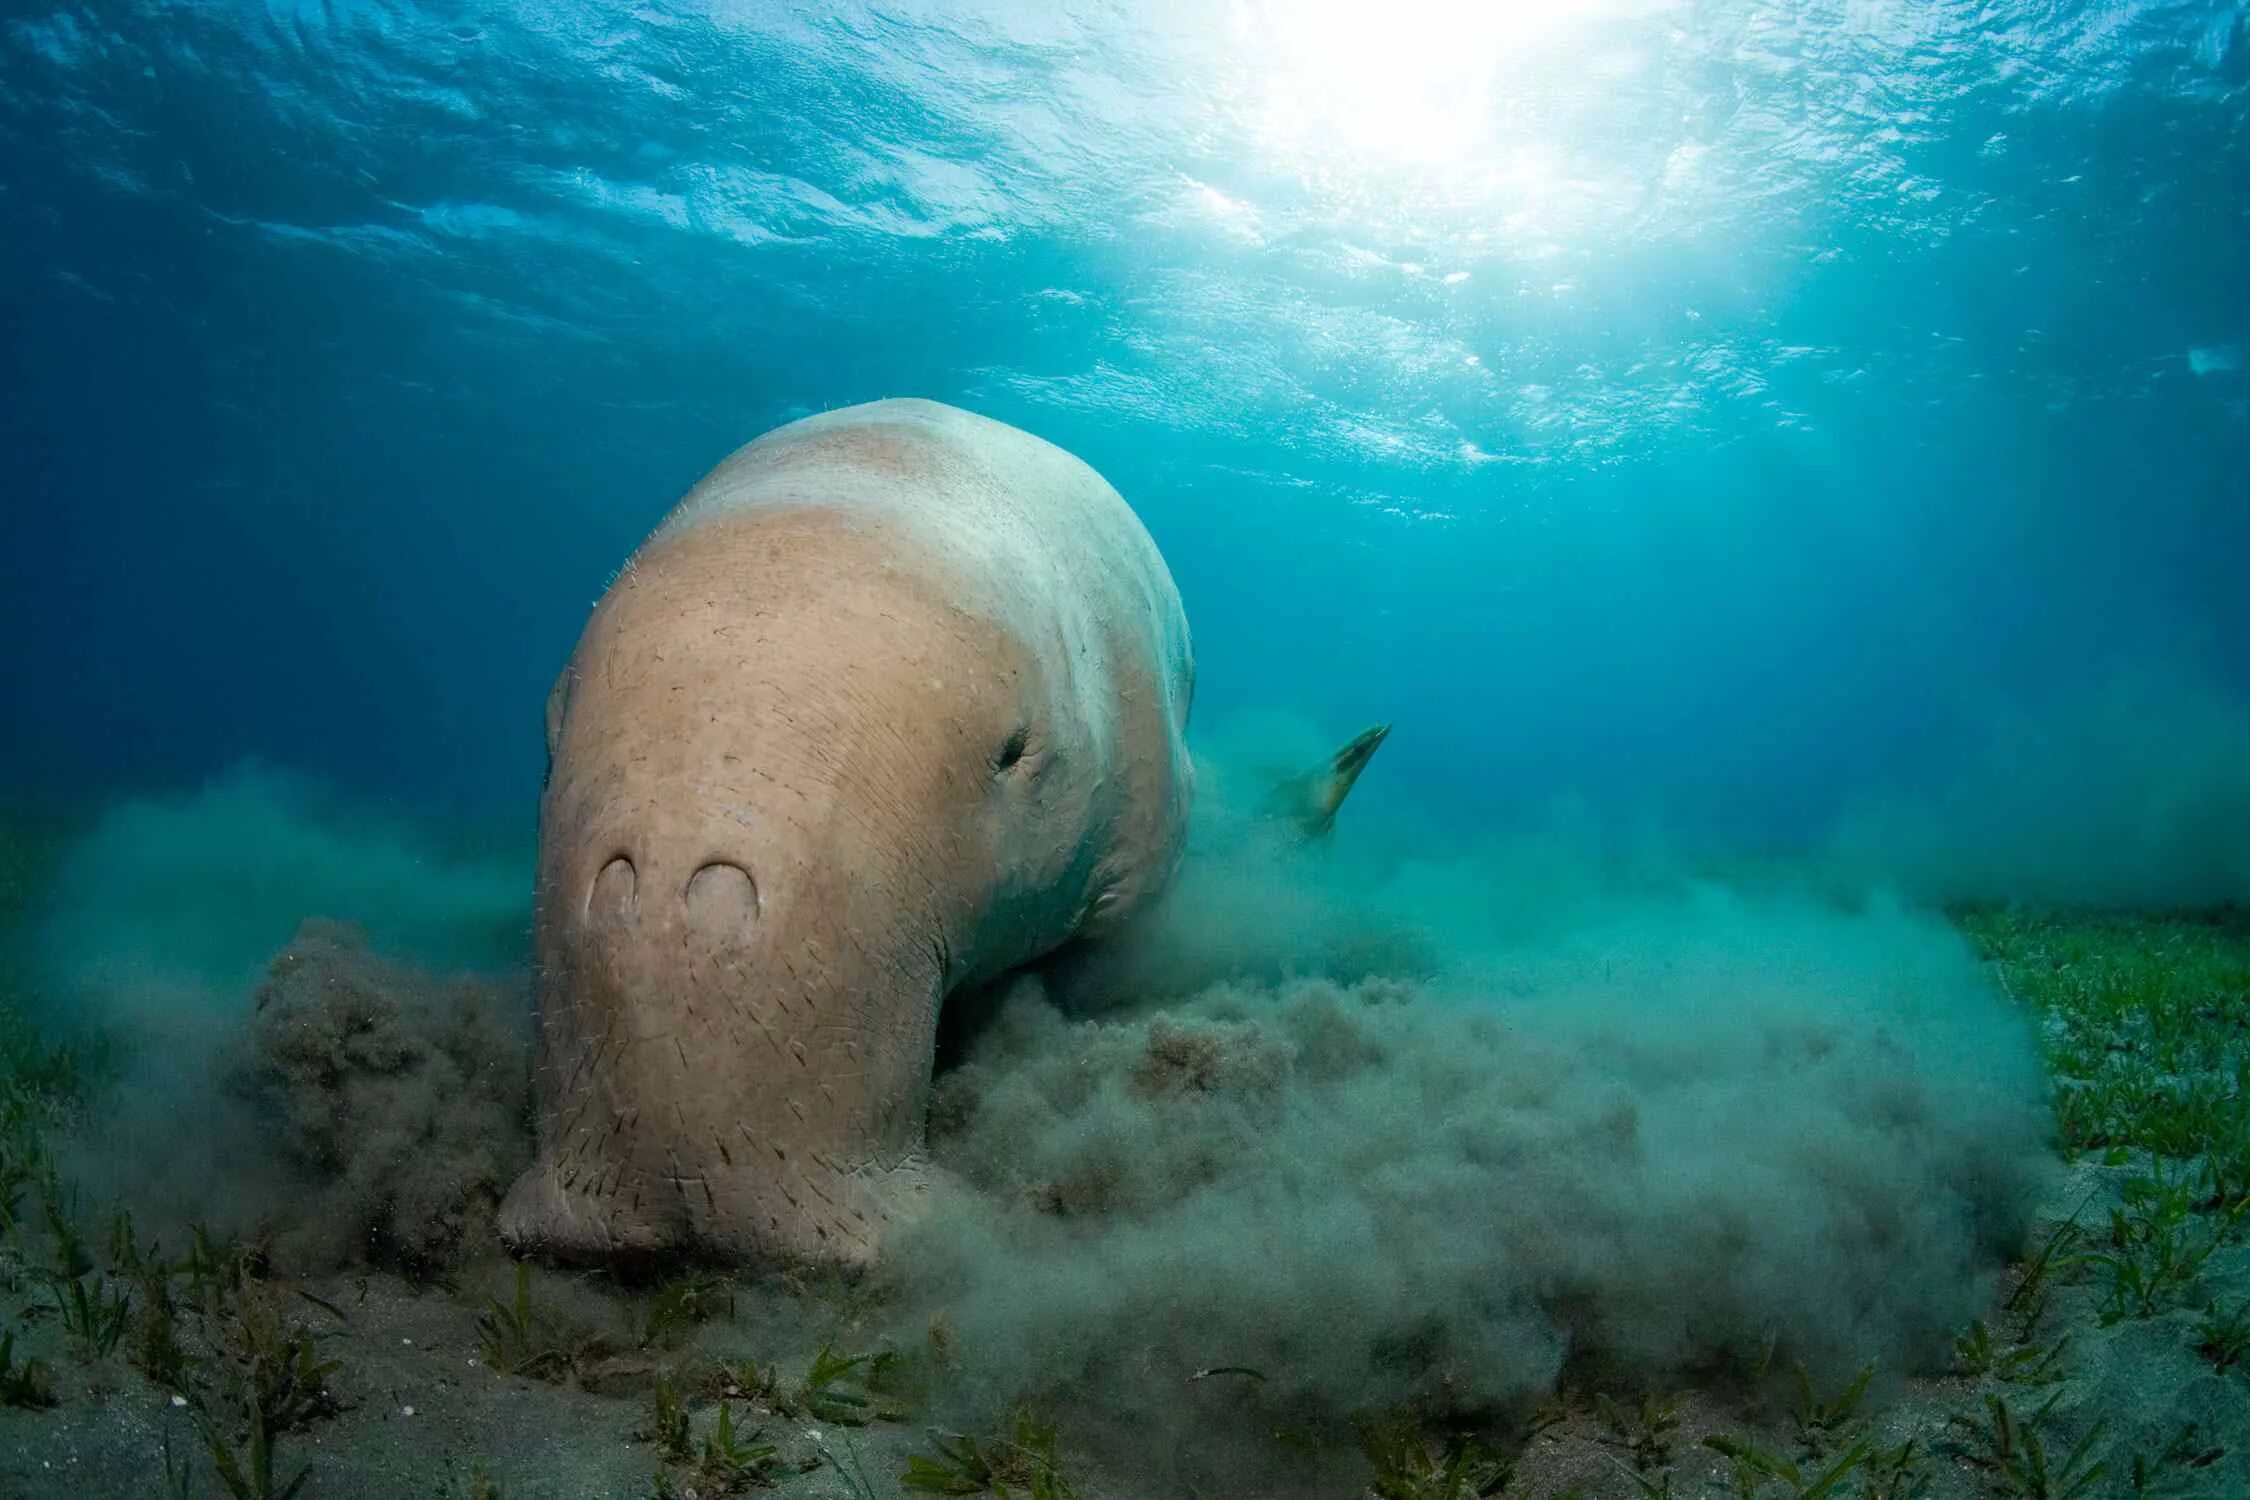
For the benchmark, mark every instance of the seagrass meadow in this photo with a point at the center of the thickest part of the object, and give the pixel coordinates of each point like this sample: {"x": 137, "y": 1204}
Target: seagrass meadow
{"x": 254, "y": 1329}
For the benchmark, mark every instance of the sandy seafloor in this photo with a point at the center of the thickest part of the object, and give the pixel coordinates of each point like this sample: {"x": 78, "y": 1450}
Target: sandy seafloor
{"x": 420, "y": 1415}
{"x": 414, "y": 1410}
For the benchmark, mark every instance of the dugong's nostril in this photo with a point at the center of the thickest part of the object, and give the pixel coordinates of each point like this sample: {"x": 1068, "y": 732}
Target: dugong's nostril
{"x": 721, "y": 897}
{"x": 611, "y": 895}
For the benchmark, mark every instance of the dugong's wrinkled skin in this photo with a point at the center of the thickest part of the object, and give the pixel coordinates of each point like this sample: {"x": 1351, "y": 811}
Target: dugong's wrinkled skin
{"x": 891, "y": 703}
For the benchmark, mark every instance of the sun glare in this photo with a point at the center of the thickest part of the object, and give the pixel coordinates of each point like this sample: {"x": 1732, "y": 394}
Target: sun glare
{"x": 1393, "y": 84}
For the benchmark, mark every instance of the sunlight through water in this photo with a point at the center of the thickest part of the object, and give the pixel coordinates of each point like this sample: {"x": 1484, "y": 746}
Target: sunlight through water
{"x": 1416, "y": 84}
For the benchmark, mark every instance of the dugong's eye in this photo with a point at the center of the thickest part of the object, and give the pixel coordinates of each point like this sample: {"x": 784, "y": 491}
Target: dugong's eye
{"x": 1012, "y": 751}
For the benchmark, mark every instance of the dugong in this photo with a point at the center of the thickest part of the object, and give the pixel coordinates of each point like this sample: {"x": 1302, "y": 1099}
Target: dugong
{"x": 890, "y": 704}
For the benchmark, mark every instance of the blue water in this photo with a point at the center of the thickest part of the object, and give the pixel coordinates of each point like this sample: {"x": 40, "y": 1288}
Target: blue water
{"x": 1718, "y": 407}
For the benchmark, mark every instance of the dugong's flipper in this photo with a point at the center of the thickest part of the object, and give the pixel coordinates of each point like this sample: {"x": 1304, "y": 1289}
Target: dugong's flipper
{"x": 1308, "y": 803}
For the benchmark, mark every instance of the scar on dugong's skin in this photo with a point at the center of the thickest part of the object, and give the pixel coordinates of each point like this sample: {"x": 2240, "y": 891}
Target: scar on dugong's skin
{"x": 889, "y": 705}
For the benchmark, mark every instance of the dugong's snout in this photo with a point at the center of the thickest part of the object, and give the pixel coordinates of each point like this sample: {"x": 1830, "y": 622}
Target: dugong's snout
{"x": 708, "y": 1085}
{"x": 714, "y": 900}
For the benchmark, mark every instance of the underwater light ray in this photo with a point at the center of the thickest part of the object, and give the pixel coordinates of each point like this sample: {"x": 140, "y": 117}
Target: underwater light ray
{"x": 1409, "y": 100}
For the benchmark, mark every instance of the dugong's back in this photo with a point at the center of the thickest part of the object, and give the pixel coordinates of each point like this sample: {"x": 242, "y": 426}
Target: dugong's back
{"x": 1046, "y": 541}
{"x": 890, "y": 704}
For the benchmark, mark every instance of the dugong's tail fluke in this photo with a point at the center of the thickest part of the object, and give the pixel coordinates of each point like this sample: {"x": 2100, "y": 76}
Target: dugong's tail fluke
{"x": 1309, "y": 802}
